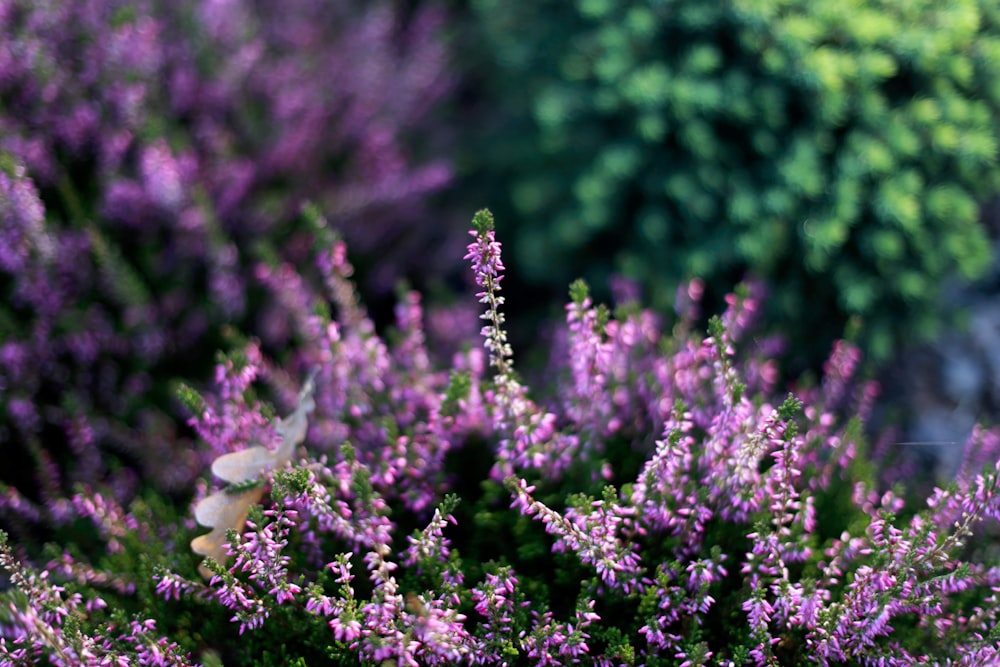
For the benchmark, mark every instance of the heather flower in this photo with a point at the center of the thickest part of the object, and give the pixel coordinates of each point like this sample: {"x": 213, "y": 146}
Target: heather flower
{"x": 46, "y": 620}
{"x": 172, "y": 586}
{"x": 593, "y": 534}
{"x": 708, "y": 458}
{"x": 22, "y": 216}
{"x": 342, "y": 611}
{"x": 249, "y": 607}
{"x": 260, "y": 555}
{"x": 530, "y": 437}
{"x": 702, "y": 519}
{"x": 591, "y": 358}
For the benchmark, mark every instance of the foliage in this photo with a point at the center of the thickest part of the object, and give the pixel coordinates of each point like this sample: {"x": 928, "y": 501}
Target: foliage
{"x": 838, "y": 151}
{"x": 665, "y": 506}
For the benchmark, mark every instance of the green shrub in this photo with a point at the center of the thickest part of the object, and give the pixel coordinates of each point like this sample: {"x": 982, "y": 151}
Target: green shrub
{"x": 838, "y": 151}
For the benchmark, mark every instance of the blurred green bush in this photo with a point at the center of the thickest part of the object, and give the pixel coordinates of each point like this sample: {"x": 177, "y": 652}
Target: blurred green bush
{"x": 839, "y": 150}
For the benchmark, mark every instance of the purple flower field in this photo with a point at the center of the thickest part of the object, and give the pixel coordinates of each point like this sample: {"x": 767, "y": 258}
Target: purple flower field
{"x": 683, "y": 516}
{"x": 216, "y": 454}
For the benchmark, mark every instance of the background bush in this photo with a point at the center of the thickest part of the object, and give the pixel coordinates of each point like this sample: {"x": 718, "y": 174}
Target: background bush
{"x": 840, "y": 151}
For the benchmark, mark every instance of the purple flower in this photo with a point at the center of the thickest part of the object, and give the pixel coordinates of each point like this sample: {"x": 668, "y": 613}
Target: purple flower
{"x": 716, "y": 544}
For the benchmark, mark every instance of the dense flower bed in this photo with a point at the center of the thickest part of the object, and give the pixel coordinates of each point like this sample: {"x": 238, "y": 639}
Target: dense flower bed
{"x": 662, "y": 504}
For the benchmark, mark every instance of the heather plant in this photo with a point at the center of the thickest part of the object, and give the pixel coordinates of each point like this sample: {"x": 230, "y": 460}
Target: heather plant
{"x": 155, "y": 157}
{"x": 664, "y": 506}
{"x": 838, "y": 151}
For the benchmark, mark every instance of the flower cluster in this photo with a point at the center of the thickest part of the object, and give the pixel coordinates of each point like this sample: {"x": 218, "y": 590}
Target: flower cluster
{"x": 43, "y": 619}
{"x": 666, "y": 506}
